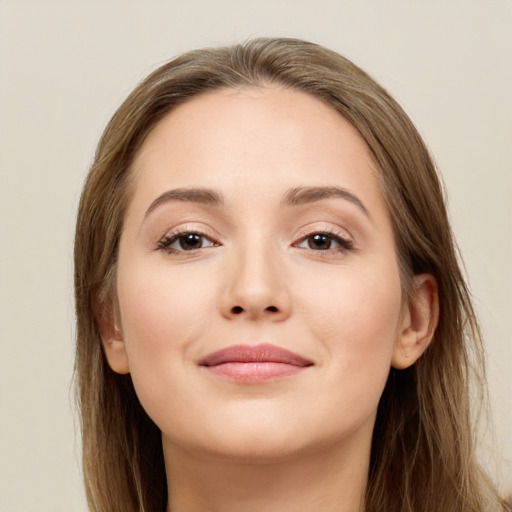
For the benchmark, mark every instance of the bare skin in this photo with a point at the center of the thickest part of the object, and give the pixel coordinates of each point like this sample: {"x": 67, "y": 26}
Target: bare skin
{"x": 298, "y": 255}
{"x": 319, "y": 481}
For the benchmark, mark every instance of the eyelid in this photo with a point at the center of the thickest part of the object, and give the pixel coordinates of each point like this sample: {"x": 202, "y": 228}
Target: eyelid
{"x": 328, "y": 229}
{"x": 344, "y": 239}
{"x": 206, "y": 232}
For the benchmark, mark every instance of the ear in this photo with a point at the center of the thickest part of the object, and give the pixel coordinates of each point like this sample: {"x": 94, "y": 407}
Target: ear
{"x": 419, "y": 322}
{"x": 112, "y": 337}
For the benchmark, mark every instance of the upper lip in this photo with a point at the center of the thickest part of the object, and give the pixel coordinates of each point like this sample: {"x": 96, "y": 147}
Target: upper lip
{"x": 263, "y": 353}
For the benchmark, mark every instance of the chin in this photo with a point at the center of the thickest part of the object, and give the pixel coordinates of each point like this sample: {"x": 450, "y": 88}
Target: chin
{"x": 263, "y": 439}
{"x": 256, "y": 447}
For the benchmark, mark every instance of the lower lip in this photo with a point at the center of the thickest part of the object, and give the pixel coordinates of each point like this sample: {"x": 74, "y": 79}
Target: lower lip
{"x": 254, "y": 372}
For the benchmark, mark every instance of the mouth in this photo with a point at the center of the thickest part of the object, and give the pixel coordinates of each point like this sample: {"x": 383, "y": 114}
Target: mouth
{"x": 254, "y": 363}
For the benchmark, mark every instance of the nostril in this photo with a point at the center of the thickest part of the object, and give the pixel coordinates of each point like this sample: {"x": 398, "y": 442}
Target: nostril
{"x": 237, "y": 310}
{"x": 272, "y": 308}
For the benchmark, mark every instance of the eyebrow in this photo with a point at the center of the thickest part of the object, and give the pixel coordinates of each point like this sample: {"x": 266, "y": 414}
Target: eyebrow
{"x": 194, "y": 195}
{"x": 294, "y": 197}
{"x": 303, "y": 195}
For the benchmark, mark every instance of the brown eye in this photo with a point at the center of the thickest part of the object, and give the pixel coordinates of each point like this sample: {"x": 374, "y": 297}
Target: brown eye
{"x": 319, "y": 241}
{"x": 325, "y": 242}
{"x": 184, "y": 242}
{"x": 190, "y": 241}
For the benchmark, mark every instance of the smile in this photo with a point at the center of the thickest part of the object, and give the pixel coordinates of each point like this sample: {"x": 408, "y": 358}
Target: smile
{"x": 254, "y": 363}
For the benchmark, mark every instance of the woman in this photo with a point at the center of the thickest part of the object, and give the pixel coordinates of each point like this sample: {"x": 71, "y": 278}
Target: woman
{"x": 271, "y": 315}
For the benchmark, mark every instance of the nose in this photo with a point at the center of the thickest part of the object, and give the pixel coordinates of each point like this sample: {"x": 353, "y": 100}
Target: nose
{"x": 256, "y": 287}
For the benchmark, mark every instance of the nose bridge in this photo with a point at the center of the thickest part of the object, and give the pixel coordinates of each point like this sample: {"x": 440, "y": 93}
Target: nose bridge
{"x": 256, "y": 286}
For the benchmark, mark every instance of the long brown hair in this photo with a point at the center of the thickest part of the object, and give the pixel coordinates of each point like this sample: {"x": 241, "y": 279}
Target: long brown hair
{"x": 423, "y": 454}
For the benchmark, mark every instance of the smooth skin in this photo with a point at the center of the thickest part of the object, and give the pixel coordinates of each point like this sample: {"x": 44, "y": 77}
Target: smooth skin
{"x": 314, "y": 274}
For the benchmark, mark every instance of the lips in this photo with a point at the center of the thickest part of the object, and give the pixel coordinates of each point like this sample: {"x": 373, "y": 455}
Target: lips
{"x": 254, "y": 363}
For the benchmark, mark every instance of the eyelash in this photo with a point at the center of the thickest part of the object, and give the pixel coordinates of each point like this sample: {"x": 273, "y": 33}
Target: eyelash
{"x": 165, "y": 243}
{"x": 345, "y": 245}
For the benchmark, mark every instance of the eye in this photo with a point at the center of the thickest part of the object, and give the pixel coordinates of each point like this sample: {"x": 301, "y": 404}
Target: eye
{"x": 325, "y": 241}
{"x": 185, "y": 241}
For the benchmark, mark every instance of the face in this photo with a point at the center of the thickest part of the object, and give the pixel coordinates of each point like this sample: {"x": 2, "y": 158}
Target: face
{"x": 259, "y": 295}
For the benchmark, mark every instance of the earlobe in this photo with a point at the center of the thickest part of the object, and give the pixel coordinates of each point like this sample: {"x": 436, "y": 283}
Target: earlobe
{"x": 112, "y": 339}
{"x": 419, "y": 322}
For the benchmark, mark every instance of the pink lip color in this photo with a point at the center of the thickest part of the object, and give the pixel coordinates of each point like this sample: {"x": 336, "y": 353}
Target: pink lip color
{"x": 252, "y": 364}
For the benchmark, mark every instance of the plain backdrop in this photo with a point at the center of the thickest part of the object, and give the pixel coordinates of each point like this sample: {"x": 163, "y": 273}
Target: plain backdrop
{"x": 66, "y": 66}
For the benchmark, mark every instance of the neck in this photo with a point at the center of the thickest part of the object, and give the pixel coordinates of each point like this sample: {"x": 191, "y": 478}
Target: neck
{"x": 331, "y": 480}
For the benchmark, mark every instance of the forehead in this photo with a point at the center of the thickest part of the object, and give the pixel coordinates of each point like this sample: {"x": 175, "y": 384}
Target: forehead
{"x": 266, "y": 138}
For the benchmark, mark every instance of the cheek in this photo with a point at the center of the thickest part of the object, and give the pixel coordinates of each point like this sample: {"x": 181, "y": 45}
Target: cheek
{"x": 161, "y": 310}
{"x": 362, "y": 306}
{"x": 356, "y": 318}
{"x": 162, "y": 313}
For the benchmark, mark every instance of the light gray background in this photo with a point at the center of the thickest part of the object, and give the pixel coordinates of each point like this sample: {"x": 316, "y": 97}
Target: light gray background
{"x": 65, "y": 67}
